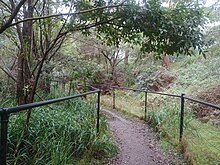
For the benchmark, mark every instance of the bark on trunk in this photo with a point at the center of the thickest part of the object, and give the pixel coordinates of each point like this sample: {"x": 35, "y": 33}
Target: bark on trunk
{"x": 24, "y": 74}
{"x": 114, "y": 75}
{"x": 126, "y": 57}
{"x": 20, "y": 81}
{"x": 166, "y": 61}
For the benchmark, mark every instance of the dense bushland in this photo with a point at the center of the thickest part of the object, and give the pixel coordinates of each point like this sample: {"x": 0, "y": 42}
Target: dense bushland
{"x": 193, "y": 75}
{"x": 200, "y": 140}
{"x": 100, "y": 43}
{"x": 62, "y": 133}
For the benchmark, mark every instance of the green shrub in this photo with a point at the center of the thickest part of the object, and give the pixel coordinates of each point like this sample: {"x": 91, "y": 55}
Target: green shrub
{"x": 200, "y": 144}
{"x": 63, "y": 134}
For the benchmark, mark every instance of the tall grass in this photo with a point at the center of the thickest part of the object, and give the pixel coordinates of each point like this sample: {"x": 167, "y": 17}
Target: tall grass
{"x": 62, "y": 133}
{"x": 124, "y": 103}
{"x": 200, "y": 141}
{"x": 195, "y": 74}
{"x": 200, "y": 144}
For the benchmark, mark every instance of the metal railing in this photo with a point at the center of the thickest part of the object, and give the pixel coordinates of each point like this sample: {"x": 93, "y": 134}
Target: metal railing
{"x": 182, "y": 105}
{"x": 5, "y": 114}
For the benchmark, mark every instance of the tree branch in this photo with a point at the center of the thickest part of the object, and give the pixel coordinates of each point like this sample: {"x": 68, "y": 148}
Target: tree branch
{"x": 8, "y": 23}
{"x": 106, "y": 56}
{"x": 4, "y": 27}
{"x": 97, "y": 47}
{"x": 9, "y": 8}
{"x": 95, "y": 24}
{"x": 119, "y": 61}
{"x": 58, "y": 47}
{"x": 8, "y": 73}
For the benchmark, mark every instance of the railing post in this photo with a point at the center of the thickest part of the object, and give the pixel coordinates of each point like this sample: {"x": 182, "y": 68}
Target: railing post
{"x": 98, "y": 111}
{"x": 181, "y": 117}
{"x": 145, "y": 107}
{"x": 4, "y": 136}
{"x": 113, "y": 98}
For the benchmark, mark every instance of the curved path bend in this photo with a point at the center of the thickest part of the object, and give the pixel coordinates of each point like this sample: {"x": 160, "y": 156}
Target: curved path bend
{"x": 136, "y": 141}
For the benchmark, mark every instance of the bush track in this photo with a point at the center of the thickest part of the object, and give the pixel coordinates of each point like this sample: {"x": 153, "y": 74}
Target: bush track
{"x": 136, "y": 141}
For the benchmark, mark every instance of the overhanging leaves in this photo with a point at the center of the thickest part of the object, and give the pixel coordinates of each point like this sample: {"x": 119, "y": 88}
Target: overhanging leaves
{"x": 156, "y": 28}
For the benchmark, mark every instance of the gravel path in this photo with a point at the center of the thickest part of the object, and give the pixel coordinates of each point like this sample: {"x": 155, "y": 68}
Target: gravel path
{"x": 136, "y": 141}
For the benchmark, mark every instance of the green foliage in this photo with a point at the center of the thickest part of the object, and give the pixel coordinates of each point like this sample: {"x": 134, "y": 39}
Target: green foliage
{"x": 64, "y": 133}
{"x": 128, "y": 74}
{"x": 147, "y": 76}
{"x": 195, "y": 74}
{"x": 6, "y": 91}
{"x": 201, "y": 144}
{"x": 165, "y": 119}
{"x": 156, "y": 28}
{"x": 200, "y": 140}
{"x": 86, "y": 71}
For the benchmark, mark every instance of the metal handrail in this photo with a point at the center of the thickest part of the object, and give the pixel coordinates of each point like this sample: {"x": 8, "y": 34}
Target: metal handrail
{"x": 5, "y": 114}
{"x": 130, "y": 89}
{"x": 144, "y": 90}
{"x": 42, "y": 103}
{"x": 202, "y": 102}
{"x": 172, "y": 95}
{"x": 165, "y": 94}
{"x": 182, "y": 98}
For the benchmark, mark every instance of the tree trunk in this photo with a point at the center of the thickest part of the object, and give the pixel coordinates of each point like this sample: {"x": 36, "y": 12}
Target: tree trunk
{"x": 47, "y": 85}
{"x": 24, "y": 82}
{"x": 20, "y": 82}
{"x": 23, "y": 74}
{"x": 126, "y": 57}
{"x": 63, "y": 86}
{"x": 70, "y": 86}
{"x": 166, "y": 61}
{"x": 114, "y": 75}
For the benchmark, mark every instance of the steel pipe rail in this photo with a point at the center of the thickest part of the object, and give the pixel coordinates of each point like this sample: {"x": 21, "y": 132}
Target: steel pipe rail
{"x": 89, "y": 86}
{"x": 130, "y": 89}
{"x": 143, "y": 90}
{"x": 5, "y": 114}
{"x": 38, "y": 104}
{"x": 165, "y": 94}
{"x": 182, "y": 105}
{"x": 202, "y": 102}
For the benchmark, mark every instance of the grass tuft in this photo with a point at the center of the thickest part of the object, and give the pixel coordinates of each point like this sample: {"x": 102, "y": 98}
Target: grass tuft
{"x": 63, "y": 133}
{"x": 200, "y": 145}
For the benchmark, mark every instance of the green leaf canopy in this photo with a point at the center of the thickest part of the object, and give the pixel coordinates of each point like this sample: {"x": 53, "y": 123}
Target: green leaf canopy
{"x": 158, "y": 29}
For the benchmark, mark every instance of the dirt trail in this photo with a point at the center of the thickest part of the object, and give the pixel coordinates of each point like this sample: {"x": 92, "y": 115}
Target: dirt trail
{"x": 136, "y": 142}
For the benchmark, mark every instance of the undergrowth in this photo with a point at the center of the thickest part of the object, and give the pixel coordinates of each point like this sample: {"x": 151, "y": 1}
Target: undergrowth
{"x": 200, "y": 144}
{"x": 124, "y": 103}
{"x": 62, "y": 133}
{"x": 195, "y": 74}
